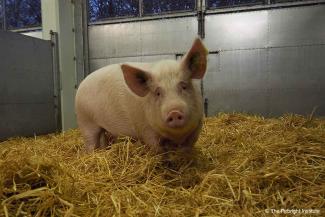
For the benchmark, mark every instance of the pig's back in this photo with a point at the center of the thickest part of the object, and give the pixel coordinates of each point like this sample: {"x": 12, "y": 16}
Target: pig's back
{"x": 103, "y": 98}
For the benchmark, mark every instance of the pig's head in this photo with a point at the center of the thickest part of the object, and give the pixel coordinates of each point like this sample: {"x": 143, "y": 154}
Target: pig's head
{"x": 173, "y": 103}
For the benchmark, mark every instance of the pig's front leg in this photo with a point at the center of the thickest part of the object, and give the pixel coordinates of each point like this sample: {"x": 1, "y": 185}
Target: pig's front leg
{"x": 106, "y": 139}
{"x": 91, "y": 133}
{"x": 152, "y": 141}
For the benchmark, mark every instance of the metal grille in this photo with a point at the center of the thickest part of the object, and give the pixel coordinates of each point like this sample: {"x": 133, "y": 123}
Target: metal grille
{"x": 284, "y": 1}
{"x": 152, "y": 7}
{"x": 23, "y": 13}
{"x": 103, "y": 9}
{"x": 211, "y": 4}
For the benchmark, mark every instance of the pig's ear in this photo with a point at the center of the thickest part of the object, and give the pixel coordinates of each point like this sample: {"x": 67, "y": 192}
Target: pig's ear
{"x": 136, "y": 79}
{"x": 195, "y": 60}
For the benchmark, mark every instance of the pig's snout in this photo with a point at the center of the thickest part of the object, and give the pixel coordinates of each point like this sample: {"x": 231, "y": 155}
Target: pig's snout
{"x": 175, "y": 119}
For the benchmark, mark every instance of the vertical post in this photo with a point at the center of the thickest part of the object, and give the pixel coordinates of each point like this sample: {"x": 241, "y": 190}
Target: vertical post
{"x": 200, "y": 17}
{"x": 206, "y": 107}
{"x": 4, "y": 15}
{"x": 58, "y": 16}
{"x": 57, "y": 82}
{"x": 140, "y": 8}
{"x": 81, "y": 39}
{"x": 85, "y": 9}
{"x": 201, "y": 33}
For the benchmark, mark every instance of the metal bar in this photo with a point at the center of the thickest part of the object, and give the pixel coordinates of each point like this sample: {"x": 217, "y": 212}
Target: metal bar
{"x": 1, "y": 18}
{"x": 201, "y": 33}
{"x": 4, "y": 15}
{"x": 210, "y": 52}
{"x": 200, "y": 19}
{"x": 153, "y": 54}
{"x": 57, "y": 80}
{"x": 204, "y": 5}
{"x": 206, "y": 106}
{"x": 140, "y": 8}
{"x": 267, "y": 47}
{"x": 30, "y": 29}
{"x": 85, "y": 36}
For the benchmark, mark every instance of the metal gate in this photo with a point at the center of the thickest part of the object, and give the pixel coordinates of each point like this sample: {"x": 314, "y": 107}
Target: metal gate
{"x": 29, "y": 87}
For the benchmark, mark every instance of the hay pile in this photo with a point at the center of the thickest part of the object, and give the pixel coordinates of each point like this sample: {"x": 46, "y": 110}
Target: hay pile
{"x": 241, "y": 166}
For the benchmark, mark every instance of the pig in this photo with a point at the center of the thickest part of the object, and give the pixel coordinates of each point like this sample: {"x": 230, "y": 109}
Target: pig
{"x": 159, "y": 104}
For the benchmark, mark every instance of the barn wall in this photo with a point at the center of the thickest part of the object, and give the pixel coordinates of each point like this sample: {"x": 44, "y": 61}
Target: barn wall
{"x": 140, "y": 41}
{"x": 270, "y": 62}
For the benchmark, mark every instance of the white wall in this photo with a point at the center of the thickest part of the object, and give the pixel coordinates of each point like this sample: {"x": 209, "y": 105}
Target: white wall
{"x": 35, "y": 34}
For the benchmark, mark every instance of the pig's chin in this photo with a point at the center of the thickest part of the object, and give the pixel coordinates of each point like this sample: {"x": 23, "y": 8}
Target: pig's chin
{"x": 176, "y": 133}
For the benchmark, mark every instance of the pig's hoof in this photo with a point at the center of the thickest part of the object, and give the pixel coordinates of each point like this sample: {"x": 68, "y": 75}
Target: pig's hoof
{"x": 154, "y": 149}
{"x": 88, "y": 149}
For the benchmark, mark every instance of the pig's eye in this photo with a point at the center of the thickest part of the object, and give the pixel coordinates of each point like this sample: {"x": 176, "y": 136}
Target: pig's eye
{"x": 158, "y": 92}
{"x": 183, "y": 85}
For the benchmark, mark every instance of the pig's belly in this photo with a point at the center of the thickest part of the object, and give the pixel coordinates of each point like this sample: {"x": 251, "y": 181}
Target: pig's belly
{"x": 119, "y": 127}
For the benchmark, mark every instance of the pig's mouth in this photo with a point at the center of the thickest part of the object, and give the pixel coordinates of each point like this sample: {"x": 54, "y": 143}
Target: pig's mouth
{"x": 177, "y": 133}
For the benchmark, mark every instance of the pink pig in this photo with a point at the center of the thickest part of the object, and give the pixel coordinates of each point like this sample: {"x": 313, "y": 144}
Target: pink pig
{"x": 158, "y": 103}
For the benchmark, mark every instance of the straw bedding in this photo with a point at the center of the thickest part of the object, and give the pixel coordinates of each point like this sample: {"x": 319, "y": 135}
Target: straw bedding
{"x": 240, "y": 166}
